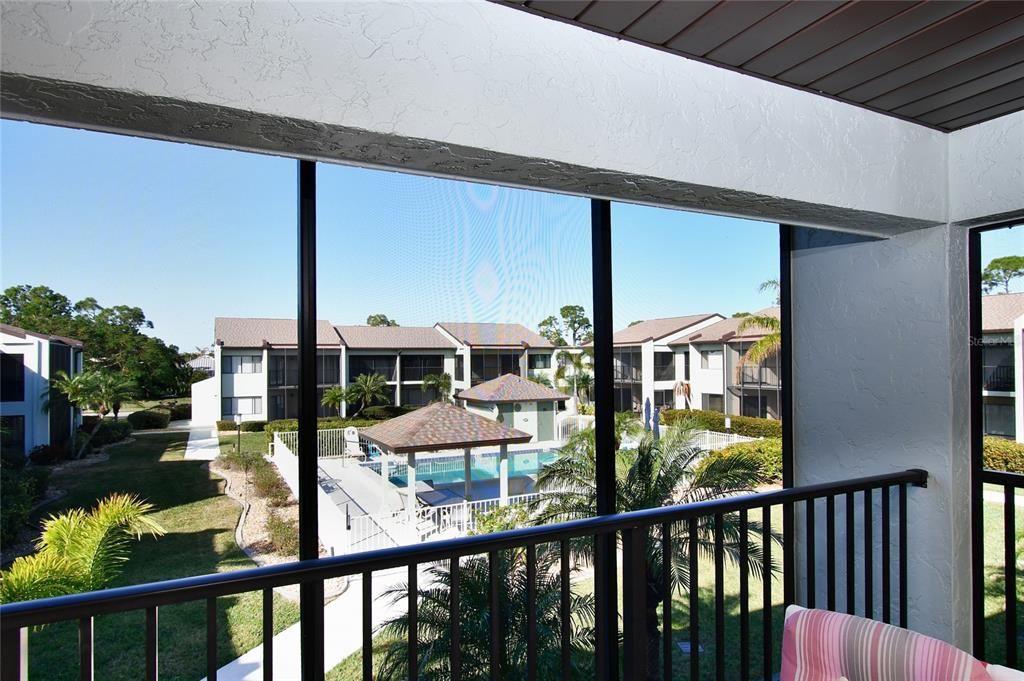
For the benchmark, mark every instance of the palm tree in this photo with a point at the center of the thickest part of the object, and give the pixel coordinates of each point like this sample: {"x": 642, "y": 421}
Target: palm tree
{"x": 578, "y": 381}
{"x": 367, "y": 389}
{"x": 115, "y": 390}
{"x": 540, "y": 379}
{"x": 86, "y": 390}
{"x": 334, "y": 397}
{"x": 665, "y": 472}
{"x": 80, "y": 550}
{"x": 765, "y": 347}
{"x": 434, "y": 625}
{"x": 441, "y": 383}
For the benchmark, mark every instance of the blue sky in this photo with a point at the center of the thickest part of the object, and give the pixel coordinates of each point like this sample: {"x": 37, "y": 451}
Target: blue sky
{"x": 189, "y": 233}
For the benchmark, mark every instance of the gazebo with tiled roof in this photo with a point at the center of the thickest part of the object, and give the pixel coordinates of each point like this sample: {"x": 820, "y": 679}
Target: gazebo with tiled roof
{"x": 443, "y": 426}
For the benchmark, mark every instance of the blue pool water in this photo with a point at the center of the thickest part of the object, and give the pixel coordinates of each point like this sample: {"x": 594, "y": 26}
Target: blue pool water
{"x": 451, "y": 469}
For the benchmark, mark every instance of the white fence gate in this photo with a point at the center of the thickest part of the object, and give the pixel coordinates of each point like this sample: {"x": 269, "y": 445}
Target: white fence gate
{"x": 712, "y": 441}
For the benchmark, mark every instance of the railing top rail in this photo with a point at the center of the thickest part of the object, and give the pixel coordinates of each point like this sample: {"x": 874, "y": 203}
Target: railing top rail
{"x": 1002, "y": 478}
{"x": 48, "y": 610}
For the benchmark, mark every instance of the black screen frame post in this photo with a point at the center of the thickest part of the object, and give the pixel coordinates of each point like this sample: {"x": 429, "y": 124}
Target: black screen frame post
{"x": 786, "y": 406}
{"x": 311, "y": 594}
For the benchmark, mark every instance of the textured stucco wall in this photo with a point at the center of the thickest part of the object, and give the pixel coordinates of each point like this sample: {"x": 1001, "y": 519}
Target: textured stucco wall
{"x": 880, "y": 384}
{"x": 986, "y": 171}
{"x": 471, "y": 89}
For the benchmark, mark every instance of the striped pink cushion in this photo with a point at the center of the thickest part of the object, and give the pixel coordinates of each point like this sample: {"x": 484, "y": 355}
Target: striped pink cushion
{"x": 818, "y": 645}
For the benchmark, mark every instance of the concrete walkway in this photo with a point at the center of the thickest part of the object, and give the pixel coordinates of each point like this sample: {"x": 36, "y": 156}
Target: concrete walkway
{"x": 203, "y": 444}
{"x": 343, "y": 631}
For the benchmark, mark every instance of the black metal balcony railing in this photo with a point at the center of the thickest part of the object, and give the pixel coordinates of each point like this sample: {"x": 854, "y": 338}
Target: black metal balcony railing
{"x": 1003, "y": 586}
{"x": 999, "y": 378}
{"x": 758, "y": 375}
{"x": 647, "y": 538}
{"x": 627, "y": 374}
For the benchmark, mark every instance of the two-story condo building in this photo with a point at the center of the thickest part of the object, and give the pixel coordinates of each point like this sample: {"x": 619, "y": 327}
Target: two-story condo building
{"x": 31, "y": 413}
{"x": 1002, "y": 317}
{"x": 256, "y": 363}
{"x": 718, "y": 381}
{"x": 646, "y": 366}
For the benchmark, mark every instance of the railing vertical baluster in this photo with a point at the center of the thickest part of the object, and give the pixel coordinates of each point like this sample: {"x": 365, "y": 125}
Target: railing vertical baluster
{"x": 903, "y": 554}
{"x": 719, "y": 598}
{"x": 811, "y": 562}
{"x": 869, "y": 555}
{"x": 666, "y": 606}
{"x": 268, "y": 635}
{"x": 830, "y": 550}
{"x": 766, "y": 591}
{"x": 564, "y": 610}
{"x": 851, "y": 566}
{"x": 455, "y": 620}
{"x": 634, "y": 594}
{"x": 693, "y": 587}
{"x": 152, "y": 643}
{"x": 211, "y": 639}
{"x": 368, "y": 624}
{"x": 413, "y": 641}
{"x": 531, "y": 612}
{"x": 495, "y": 616}
{"x": 1010, "y": 567}
{"x": 14, "y": 654}
{"x": 85, "y": 649}
{"x": 886, "y": 556}
{"x": 744, "y": 597}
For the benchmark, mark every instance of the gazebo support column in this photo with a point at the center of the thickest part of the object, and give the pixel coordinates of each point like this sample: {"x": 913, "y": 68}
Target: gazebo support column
{"x": 410, "y": 502}
{"x": 468, "y": 474}
{"x": 503, "y": 474}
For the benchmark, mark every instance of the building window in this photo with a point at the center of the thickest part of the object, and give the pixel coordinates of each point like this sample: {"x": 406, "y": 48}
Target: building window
{"x": 242, "y": 364}
{"x": 12, "y": 434}
{"x": 710, "y": 359}
{"x": 487, "y": 365}
{"x": 241, "y": 406}
{"x": 328, "y": 369}
{"x": 540, "y": 361}
{"x": 627, "y": 366}
{"x": 998, "y": 417}
{"x": 460, "y": 367}
{"x": 664, "y": 366}
{"x": 416, "y": 396}
{"x": 12, "y": 377}
{"x": 686, "y": 364}
{"x": 664, "y": 398}
{"x": 415, "y": 367}
{"x": 712, "y": 402}
{"x": 371, "y": 364}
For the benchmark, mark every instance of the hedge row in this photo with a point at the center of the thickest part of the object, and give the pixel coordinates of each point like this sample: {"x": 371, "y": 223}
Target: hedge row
{"x": 110, "y": 431}
{"x": 767, "y": 452}
{"x": 246, "y": 426}
{"x": 714, "y": 420}
{"x": 289, "y": 425}
{"x": 149, "y": 419}
{"x": 1003, "y": 455}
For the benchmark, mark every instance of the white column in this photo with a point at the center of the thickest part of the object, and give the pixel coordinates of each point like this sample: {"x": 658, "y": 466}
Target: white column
{"x": 647, "y": 374}
{"x": 398, "y": 380}
{"x": 410, "y": 503}
{"x": 343, "y": 382}
{"x": 503, "y": 474}
{"x": 468, "y": 474}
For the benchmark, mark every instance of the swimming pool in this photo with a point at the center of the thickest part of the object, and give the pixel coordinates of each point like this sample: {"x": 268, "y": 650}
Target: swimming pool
{"x": 451, "y": 469}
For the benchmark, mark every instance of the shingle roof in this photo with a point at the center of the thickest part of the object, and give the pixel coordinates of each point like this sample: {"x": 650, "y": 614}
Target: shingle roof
{"x": 439, "y": 426}
{"x": 999, "y": 311}
{"x": 656, "y": 329}
{"x": 253, "y": 332}
{"x": 726, "y": 330}
{"x": 19, "y": 332}
{"x": 511, "y": 388}
{"x": 479, "y": 334}
{"x": 394, "y": 337}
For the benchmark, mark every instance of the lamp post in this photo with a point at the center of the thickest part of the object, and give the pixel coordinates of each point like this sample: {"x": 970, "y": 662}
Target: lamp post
{"x": 238, "y": 433}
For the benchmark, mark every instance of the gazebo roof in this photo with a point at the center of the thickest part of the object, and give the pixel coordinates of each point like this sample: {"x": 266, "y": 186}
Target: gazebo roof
{"x": 440, "y": 426}
{"x": 510, "y": 388}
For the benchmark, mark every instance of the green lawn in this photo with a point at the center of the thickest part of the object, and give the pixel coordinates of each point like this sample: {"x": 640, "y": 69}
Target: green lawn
{"x": 200, "y": 522}
{"x": 251, "y": 442}
{"x": 995, "y": 603}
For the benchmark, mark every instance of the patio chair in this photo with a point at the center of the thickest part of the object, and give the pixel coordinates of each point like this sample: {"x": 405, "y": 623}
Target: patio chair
{"x": 819, "y": 645}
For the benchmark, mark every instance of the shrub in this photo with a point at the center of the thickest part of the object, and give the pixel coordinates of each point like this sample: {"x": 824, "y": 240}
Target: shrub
{"x": 768, "y": 453}
{"x": 37, "y": 478}
{"x": 47, "y": 455}
{"x": 180, "y": 412}
{"x": 586, "y": 409}
{"x": 241, "y": 461}
{"x": 268, "y": 484}
{"x": 1003, "y": 455}
{"x": 16, "y": 492}
{"x": 283, "y": 535}
{"x": 149, "y": 419}
{"x": 89, "y": 422}
{"x": 12, "y": 459}
{"x": 714, "y": 420}
{"x": 111, "y": 431}
{"x": 501, "y": 518}
{"x": 382, "y": 412}
{"x": 83, "y": 443}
